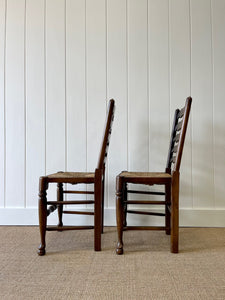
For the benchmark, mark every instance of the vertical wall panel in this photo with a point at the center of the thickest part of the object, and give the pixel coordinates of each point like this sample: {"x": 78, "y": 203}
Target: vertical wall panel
{"x": 62, "y": 60}
{"x": 75, "y": 85}
{"x": 180, "y": 84}
{"x": 202, "y": 112}
{"x": 218, "y": 26}
{"x": 158, "y": 84}
{"x": 55, "y": 86}
{"x": 117, "y": 89}
{"x": 2, "y": 101}
{"x": 96, "y": 77}
{"x": 35, "y": 98}
{"x": 76, "y": 88}
{"x": 15, "y": 104}
{"x": 138, "y": 120}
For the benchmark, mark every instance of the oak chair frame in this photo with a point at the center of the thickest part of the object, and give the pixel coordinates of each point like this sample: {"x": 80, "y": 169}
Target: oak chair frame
{"x": 97, "y": 178}
{"x": 170, "y": 179}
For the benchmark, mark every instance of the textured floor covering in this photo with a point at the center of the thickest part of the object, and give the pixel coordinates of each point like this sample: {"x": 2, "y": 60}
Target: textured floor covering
{"x": 147, "y": 270}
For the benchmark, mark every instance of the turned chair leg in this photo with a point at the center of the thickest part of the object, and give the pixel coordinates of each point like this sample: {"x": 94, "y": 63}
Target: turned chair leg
{"x": 98, "y": 210}
{"x": 42, "y": 213}
{"x": 175, "y": 213}
{"x": 119, "y": 214}
{"x": 60, "y": 207}
{"x": 168, "y": 204}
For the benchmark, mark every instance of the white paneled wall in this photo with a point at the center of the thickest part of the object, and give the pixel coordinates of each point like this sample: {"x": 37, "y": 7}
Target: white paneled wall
{"x": 60, "y": 63}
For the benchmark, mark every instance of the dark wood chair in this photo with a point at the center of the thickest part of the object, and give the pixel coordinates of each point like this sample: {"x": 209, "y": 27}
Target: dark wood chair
{"x": 97, "y": 178}
{"x": 169, "y": 178}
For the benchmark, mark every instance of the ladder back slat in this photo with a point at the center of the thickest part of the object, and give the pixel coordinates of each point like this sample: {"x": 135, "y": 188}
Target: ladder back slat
{"x": 106, "y": 135}
{"x": 179, "y": 126}
{"x": 181, "y": 112}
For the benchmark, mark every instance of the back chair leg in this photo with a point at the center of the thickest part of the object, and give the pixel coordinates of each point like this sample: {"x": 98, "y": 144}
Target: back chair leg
{"x": 168, "y": 204}
{"x": 125, "y": 205}
{"x": 42, "y": 214}
{"x": 119, "y": 214}
{"x": 175, "y": 213}
{"x": 98, "y": 210}
{"x": 102, "y": 205}
{"x": 60, "y": 198}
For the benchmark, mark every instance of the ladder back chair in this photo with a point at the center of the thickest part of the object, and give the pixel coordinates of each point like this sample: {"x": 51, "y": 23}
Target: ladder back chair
{"x": 169, "y": 178}
{"x": 46, "y": 207}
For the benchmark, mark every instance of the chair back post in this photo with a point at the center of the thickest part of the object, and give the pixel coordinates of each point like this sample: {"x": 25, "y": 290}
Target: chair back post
{"x": 178, "y": 134}
{"x": 106, "y": 136}
{"x": 183, "y": 134}
{"x": 173, "y": 133}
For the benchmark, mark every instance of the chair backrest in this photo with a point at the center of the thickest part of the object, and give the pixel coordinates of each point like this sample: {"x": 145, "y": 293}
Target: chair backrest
{"x": 106, "y": 135}
{"x": 180, "y": 123}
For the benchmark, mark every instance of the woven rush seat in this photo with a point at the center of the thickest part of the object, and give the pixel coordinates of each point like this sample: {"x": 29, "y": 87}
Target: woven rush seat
{"x": 145, "y": 174}
{"x": 145, "y": 177}
{"x": 71, "y": 174}
{"x": 71, "y": 177}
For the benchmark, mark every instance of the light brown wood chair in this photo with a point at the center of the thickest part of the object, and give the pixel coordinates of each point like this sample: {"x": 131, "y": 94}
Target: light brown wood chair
{"x": 97, "y": 178}
{"x": 169, "y": 178}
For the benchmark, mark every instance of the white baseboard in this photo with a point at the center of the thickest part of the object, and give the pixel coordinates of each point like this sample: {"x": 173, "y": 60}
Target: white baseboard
{"x": 188, "y": 218}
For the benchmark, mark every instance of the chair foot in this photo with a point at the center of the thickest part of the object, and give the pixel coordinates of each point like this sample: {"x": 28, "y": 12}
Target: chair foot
{"x": 168, "y": 231}
{"x": 97, "y": 248}
{"x": 174, "y": 251}
{"x": 60, "y": 224}
{"x": 119, "y": 249}
{"x": 41, "y": 250}
{"x": 174, "y": 248}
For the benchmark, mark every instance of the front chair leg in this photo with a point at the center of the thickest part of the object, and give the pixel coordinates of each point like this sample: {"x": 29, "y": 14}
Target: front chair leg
{"x": 43, "y": 185}
{"x": 175, "y": 213}
{"x": 119, "y": 214}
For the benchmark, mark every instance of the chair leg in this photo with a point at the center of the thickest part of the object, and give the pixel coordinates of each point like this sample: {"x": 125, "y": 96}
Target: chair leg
{"x": 125, "y": 205}
{"x": 102, "y": 205}
{"x": 119, "y": 214}
{"x": 42, "y": 213}
{"x": 60, "y": 207}
{"x": 167, "y": 212}
{"x": 175, "y": 213}
{"x": 98, "y": 210}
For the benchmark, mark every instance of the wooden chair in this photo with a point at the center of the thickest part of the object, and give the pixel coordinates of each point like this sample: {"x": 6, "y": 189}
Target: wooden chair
{"x": 96, "y": 178}
{"x": 170, "y": 179}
